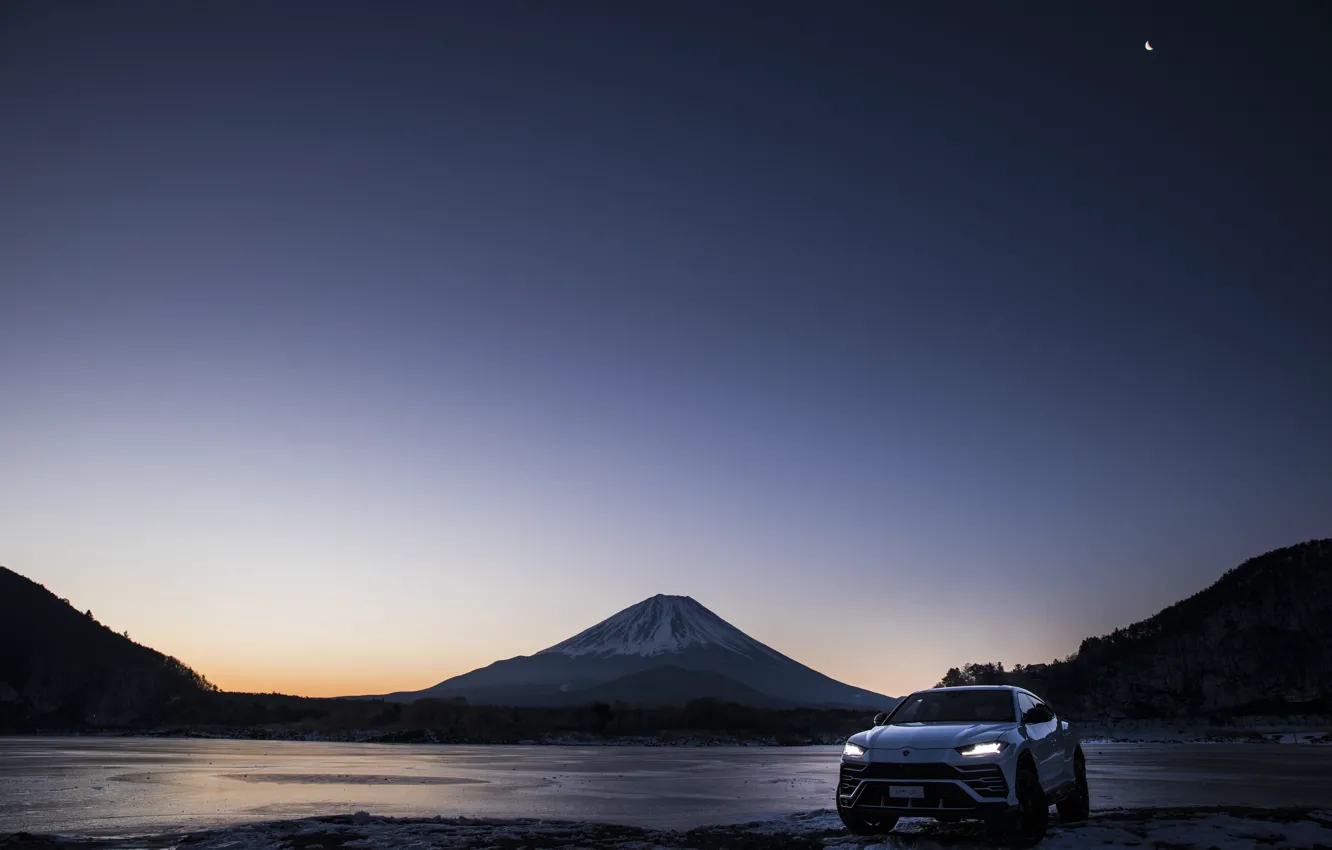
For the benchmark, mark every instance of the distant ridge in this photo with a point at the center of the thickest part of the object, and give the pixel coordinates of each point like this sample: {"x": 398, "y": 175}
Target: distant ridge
{"x": 673, "y": 686}
{"x": 665, "y": 650}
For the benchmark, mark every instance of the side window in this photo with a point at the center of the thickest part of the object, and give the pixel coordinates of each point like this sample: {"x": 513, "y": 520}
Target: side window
{"x": 1024, "y": 705}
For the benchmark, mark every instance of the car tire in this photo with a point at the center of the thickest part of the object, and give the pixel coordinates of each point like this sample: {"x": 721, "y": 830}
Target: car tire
{"x": 857, "y": 824}
{"x": 1076, "y": 806}
{"x": 1026, "y": 826}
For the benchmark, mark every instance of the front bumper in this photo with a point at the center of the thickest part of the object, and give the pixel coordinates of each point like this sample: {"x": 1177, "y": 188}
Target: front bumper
{"x": 947, "y": 789}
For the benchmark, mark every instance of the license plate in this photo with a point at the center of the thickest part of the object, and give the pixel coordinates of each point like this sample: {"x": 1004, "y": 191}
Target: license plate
{"x": 906, "y": 792}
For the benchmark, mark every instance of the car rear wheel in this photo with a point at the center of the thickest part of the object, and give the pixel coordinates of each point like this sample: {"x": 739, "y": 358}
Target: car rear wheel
{"x": 858, "y": 824}
{"x": 1026, "y": 826}
{"x": 1077, "y": 805}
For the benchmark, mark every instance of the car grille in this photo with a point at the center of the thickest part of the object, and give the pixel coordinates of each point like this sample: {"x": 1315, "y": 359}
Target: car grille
{"x": 850, "y": 778}
{"x": 987, "y": 780}
{"x": 907, "y": 770}
{"x": 937, "y": 795}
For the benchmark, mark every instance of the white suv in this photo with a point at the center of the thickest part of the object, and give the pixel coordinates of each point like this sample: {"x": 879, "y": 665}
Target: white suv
{"x": 997, "y": 753}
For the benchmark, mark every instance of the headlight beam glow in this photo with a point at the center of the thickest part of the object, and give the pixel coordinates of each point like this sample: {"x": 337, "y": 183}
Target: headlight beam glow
{"x": 988, "y": 748}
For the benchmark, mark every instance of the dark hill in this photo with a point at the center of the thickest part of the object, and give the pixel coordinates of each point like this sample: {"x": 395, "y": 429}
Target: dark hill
{"x": 62, "y": 669}
{"x": 1257, "y": 641}
{"x": 673, "y": 686}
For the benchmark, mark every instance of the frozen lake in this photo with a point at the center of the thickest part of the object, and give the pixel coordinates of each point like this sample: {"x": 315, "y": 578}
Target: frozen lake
{"x": 122, "y": 786}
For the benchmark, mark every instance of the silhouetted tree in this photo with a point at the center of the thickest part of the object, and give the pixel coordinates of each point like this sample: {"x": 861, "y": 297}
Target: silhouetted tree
{"x": 1273, "y": 611}
{"x": 603, "y": 713}
{"x": 991, "y": 673}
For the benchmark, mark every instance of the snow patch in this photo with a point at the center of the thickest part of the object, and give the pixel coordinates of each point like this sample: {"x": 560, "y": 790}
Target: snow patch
{"x": 658, "y": 626}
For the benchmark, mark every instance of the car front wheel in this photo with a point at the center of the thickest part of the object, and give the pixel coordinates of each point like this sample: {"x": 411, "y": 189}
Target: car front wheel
{"x": 1026, "y": 826}
{"x": 1077, "y": 805}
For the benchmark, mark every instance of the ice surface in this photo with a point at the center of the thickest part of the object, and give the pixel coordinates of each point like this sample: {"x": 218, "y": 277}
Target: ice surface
{"x": 1195, "y": 731}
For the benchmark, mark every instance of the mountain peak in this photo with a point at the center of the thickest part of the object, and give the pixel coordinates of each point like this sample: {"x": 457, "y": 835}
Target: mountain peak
{"x": 659, "y": 625}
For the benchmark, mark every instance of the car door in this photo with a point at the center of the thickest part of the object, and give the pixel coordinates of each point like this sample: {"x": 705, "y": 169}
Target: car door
{"x": 1065, "y": 743}
{"x": 1039, "y": 723}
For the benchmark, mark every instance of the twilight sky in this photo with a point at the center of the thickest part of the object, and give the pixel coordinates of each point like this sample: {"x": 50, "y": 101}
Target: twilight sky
{"x": 347, "y": 347}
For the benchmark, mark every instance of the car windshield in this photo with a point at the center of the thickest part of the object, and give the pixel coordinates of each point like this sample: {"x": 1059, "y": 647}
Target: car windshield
{"x": 955, "y": 707}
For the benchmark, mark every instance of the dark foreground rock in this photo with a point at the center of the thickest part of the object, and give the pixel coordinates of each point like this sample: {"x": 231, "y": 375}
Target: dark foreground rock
{"x": 1160, "y": 829}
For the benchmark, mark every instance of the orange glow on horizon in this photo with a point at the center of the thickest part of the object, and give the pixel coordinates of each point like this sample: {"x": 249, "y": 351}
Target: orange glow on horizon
{"x": 324, "y": 683}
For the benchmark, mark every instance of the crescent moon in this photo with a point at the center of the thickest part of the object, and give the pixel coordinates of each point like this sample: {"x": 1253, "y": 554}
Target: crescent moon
{"x": 1147, "y": 45}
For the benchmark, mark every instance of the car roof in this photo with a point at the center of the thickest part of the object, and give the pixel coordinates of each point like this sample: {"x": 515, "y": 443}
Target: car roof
{"x": 1012, "y": 689}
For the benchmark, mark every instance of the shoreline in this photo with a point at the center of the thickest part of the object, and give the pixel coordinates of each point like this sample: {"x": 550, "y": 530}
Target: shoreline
{"x": 1194, "y": 827}
{"x": 281, "y": 736}
{"x": 1098, "y": 734}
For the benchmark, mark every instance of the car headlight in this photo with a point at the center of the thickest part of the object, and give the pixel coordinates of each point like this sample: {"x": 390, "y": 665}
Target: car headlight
{"x": 854, "y": 751}
{"x": 988, "y": 748}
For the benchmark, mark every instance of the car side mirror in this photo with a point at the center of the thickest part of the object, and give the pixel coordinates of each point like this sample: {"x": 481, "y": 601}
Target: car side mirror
{"x": 1037, "y": 714}
{"x": 880, "y": 717}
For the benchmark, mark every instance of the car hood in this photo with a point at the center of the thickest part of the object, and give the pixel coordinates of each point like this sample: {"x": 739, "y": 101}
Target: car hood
{"x": 930, "y": 736}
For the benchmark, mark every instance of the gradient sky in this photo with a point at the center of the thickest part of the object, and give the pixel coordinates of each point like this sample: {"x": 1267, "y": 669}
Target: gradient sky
{"x": 347, "y": 347}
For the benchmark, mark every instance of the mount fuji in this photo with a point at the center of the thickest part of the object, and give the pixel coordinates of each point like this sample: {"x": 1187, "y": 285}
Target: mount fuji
{"x": 666, "y": 650}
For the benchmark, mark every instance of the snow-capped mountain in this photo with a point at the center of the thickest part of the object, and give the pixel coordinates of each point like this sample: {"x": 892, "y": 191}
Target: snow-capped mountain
{"x": 664, "y": 650}
{"x": 658, "y": 626}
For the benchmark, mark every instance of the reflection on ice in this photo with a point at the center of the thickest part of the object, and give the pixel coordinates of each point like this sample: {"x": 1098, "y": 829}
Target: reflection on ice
{"x": 350, "y": 779}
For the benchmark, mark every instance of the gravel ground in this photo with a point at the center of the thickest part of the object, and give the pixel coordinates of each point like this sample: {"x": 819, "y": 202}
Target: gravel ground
{"x": 1160, "y": 829}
